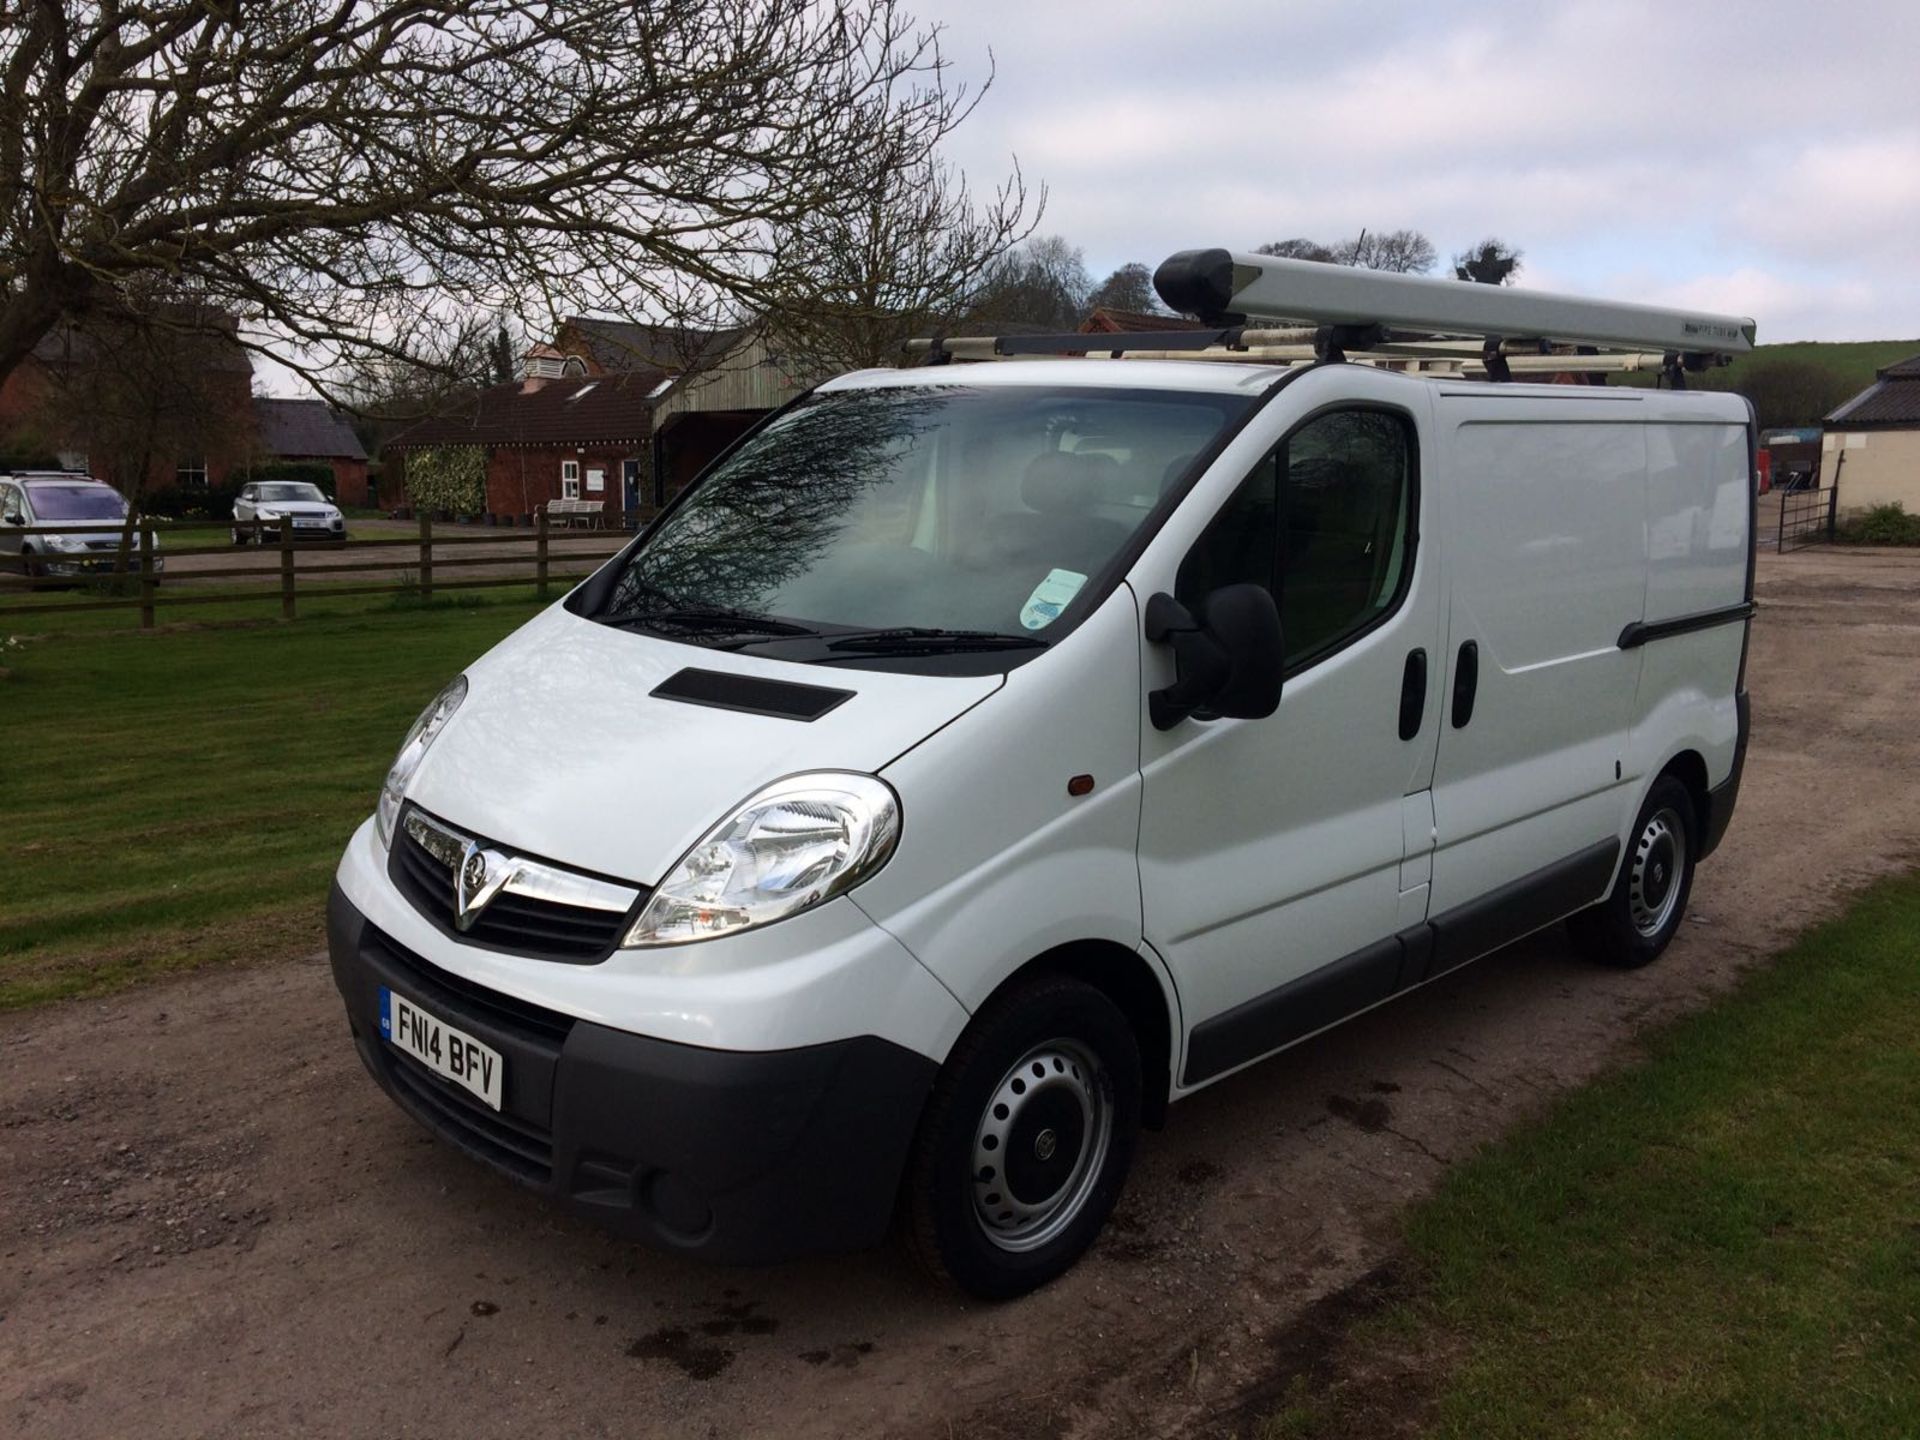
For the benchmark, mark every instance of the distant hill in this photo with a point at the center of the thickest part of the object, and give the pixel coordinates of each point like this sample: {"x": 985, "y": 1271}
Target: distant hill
{"x": 1777, "y": 379}
{"x": 1852, "y": 360}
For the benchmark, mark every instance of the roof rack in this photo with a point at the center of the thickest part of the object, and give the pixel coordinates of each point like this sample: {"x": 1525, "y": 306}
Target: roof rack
{"x": 1405, "y": 322}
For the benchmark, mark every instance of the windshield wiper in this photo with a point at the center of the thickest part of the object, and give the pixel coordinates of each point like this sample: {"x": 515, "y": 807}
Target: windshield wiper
{"x": 920, "y": 640}
{"x": 708, "y": 617}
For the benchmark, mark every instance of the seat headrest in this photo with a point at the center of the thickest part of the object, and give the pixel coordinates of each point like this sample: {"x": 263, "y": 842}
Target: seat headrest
{"x": 1059, "y": 482}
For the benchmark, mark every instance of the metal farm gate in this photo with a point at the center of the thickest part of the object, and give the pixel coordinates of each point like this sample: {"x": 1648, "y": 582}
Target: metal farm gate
{"x": 1808, "y": 517}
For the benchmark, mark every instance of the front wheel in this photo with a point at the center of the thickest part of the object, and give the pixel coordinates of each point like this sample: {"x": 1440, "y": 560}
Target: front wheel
{"x": 1027, "y": 1139}
{"x": 1640, "y": 917}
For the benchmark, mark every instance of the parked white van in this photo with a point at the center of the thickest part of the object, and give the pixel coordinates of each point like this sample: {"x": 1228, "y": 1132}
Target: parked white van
{"x": 980, "y": 757}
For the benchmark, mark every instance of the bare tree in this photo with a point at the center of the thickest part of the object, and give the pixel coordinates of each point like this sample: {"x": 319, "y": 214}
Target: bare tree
{"x": 1403, "y": 252}
{"x": 1128, "y": 288}
{"x": 908, "y": 259}
{"x": 149, "y": 403}
{"x": 1298, "y": 248}
{"x": 1491, "y": 262}
{"x": 440, "y": 369}
{"x": 1041, "y": 286}
{"x": 333, "y": 171}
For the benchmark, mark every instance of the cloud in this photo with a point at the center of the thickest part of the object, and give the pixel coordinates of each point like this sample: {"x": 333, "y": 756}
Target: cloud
{"x": 1761, "y": 155}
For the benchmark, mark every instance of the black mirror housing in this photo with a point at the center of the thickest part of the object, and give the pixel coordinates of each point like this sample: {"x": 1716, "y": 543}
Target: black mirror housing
{"x": 1229, "y": 658}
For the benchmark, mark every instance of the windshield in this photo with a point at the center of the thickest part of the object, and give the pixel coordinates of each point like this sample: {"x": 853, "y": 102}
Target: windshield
{"x": 292, "y": 491}
{"x": 76, "y": 502}
{"x": 940, "y": 507}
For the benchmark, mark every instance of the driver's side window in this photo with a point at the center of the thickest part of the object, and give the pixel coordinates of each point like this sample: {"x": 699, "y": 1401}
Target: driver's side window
{"x": 10, "y": 506}
{"x": 1323, "y": 522}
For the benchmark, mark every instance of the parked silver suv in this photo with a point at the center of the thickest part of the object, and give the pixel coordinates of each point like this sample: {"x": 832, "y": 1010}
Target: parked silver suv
{"x": 87, "y": 514}
{"x": 262, "y": 508}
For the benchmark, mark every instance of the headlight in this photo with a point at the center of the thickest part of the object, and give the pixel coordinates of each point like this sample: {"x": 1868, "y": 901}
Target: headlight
{"x": 65, "y": 542}
{"x": 797, "y": 842}
{"x": 413, "y": 750}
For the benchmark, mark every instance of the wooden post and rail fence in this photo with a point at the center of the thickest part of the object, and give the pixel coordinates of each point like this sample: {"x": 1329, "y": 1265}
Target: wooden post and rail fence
{"x": 147, "y": 574}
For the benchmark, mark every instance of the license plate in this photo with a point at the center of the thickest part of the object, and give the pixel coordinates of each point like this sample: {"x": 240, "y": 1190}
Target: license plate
{"x": 447, "y": 1052}
{"x": 309, "y": 524}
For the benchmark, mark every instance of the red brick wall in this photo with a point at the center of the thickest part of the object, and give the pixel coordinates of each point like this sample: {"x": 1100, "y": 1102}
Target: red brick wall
{"x": 21, "y": 395}
{"x": 520, "y": 480}
{"x": 349, "y": 476}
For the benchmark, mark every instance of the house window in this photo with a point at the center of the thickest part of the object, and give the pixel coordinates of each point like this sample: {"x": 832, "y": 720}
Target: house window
{"x": 191, "y": 474}
{"x": 570, "y": 479}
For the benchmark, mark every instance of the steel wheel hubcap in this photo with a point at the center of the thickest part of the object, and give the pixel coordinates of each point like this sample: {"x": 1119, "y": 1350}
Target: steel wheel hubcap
{"x": 1040, "y": 1146}
{"x": 1653, "y": 889}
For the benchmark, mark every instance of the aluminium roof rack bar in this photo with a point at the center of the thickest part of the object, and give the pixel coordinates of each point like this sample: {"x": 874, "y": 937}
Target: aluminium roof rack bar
{"x": 1434, "y": 359}
{"x": 1227, "y": 288}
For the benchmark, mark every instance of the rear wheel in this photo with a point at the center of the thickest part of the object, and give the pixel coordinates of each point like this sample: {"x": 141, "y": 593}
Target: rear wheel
{"x": 1640, "y": 918}
{"x": 1027, "y": 1139}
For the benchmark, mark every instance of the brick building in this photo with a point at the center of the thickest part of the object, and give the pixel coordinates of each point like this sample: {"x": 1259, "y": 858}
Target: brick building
{"x": 313, "y": 431}
{"x": 88, "y": 386}
{"x": 551, "y": 436}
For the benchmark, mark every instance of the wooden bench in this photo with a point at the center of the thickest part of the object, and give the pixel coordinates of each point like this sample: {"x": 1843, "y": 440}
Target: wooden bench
{"x": 587, "y": 513}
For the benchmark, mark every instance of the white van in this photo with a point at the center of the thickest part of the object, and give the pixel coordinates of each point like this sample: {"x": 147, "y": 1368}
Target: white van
{"x": 978, "y": 758}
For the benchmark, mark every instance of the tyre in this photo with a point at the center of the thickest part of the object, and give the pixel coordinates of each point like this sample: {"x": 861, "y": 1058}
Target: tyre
{"x": 1026, "y": 1141}
{"x": 1640, "y": 918}
{"x": 239, "y": 536}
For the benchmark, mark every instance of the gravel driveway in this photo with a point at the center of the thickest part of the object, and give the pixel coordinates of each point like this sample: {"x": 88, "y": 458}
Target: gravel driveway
{"x": 211, "y": 1223}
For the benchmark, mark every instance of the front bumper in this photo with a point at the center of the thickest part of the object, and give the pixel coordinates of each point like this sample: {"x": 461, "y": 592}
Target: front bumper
{"x": 75, "y": 563}
{"x": 738, "y": 1157}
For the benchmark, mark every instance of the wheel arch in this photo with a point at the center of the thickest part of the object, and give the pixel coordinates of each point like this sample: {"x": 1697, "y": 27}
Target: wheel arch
{"x": 1144, "y": 995}
{"x": 1689, "y": 767}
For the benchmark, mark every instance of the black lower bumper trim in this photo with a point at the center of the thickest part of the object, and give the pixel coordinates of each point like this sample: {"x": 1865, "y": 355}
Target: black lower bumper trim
{"x": 742, "y": 1158}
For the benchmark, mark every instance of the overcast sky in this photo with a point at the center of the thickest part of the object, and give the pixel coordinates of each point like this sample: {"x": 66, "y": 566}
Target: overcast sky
{"x": 1761, "y": 158}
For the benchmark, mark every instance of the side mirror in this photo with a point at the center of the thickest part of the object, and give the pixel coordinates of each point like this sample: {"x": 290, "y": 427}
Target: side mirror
{"x": 1228, "y": 659}
{"x": 14, "y": 517}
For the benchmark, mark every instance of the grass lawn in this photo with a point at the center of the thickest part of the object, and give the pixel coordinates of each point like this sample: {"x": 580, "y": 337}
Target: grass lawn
{"x": 1721, "y": 1241}
{"x": 179, "y": 799}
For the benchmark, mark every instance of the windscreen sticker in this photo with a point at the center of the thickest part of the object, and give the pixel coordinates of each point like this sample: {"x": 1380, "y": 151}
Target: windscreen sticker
{"x": 1050, "y": 597}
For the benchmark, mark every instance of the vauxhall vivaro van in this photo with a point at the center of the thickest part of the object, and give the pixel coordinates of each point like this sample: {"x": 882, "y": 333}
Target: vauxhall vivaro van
{"x": 978, "y": 758}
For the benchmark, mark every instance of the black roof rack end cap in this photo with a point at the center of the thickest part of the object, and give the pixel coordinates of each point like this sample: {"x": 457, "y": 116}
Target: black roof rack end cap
{"x": 1199, "y": 283}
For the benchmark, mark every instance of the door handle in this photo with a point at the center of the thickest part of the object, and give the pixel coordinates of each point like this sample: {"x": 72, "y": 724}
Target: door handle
{"x": 1466, "y": 681}
{"x": 1413, "y": 693}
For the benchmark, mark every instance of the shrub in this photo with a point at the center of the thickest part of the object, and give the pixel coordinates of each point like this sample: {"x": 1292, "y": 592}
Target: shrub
{"x": 1888, "y": 524}
{"x": 448, "y": 477}
{"x": 176, "y": 502}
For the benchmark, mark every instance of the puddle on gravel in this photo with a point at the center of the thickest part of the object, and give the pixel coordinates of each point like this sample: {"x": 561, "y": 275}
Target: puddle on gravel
{"x": 1371, "y": 1116}
{"x": 677, "y": 1347}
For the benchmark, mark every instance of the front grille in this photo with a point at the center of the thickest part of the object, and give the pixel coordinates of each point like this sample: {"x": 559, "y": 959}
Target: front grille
{"x": 455, "y": 994}
{"x": 519, "y": 924}
{"x": 522, "y": 1147}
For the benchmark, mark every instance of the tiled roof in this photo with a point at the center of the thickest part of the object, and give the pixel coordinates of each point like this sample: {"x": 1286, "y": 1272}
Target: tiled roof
{"x": 209, "y": 335}
{"x": 602, "y": 409}
{"x": 1893, "y": 399}
{"x": 620, "y": 345}
{"x": 304, "y": 427}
